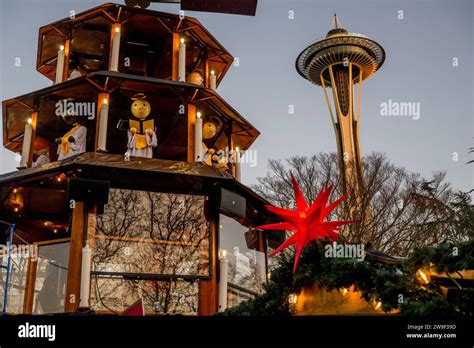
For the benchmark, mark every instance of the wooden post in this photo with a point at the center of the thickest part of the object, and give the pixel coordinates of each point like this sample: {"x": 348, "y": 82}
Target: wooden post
{"x": 191, "y": 124}
{"x": 209, "y": 289}
{"x": 71, "y": 302}
{"x": 230, "y": 140}
{"x": 30, "y": 286}
{"x": 175, "y": 57}
{"x": 34, "y": 119}
{"x": 261, "y": 242}
{"x": 207, "y": 73}
{"x": 91, "y": 226}
{"x": 67, "y": 54}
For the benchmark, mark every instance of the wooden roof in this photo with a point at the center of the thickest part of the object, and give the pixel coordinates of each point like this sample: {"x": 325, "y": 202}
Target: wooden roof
{"x": 165, "y": 96}
{"x": 41, "y": 184}
{"x": 90, "y": 33}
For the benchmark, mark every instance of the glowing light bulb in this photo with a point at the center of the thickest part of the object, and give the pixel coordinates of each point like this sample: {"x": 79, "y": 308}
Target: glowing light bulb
{"x": 422, "y": 277}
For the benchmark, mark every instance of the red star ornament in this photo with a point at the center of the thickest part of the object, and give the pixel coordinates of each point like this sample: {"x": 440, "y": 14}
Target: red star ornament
{"x": 307, "y": 221}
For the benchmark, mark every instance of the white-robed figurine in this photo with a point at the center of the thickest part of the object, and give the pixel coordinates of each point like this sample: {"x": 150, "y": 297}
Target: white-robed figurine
{"x": 141, "y": 135}
{"x": 73, "y": 142}
{"x": 42, "y": 157}
{"x": 141, "y": 145}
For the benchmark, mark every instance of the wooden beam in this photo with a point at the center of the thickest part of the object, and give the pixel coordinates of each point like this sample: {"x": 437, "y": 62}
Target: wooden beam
{"x": 91, "y": 226}
{"x": 52, "y": 241}
{"x": 67, "y": 55}
{"x": 175, "y": 57}
{"x": 209, "y": 289}
{"x": 207, "y": 72}
{"x": 73, "y": 284}
{"x": 191, "y": 124}
{"x": 261, "y": 242}
{"x": 230, "y": 140}
{"x": 30, "y": 286}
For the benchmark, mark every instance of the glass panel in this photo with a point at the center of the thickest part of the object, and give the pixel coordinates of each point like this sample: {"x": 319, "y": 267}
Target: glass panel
{"x": 16, "y": 283}
{"x": 51, "y": 277}
{"x": 115, "y": 294}
{"x": 152, "y": 233}
{"x": 246, "y": 264}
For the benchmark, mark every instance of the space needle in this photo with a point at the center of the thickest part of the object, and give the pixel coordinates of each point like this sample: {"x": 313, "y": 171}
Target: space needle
{"x": 341, "y": 61}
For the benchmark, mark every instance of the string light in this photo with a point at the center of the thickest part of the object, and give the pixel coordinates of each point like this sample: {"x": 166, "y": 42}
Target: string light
{"x": 422, "y": 276}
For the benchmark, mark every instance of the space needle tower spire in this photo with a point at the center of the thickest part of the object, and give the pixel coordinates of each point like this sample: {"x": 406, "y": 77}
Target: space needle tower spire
{"x": 342, "y": 61}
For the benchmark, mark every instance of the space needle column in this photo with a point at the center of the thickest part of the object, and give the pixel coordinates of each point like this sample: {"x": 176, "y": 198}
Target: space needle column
{"x": 341, "y": 61}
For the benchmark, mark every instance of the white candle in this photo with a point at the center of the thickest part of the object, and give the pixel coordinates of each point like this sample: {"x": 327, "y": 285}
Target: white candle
{"x": 85, "y": 276}
{"x": 213, "y": 81}
{"x": 60, "y": 65}
{"x": 115, "y": 49}
{"x": 237, "y": 165}
{"x": 27, "y": 137}
{"x": 223, "y": 278}
{"x": 104, "y": 117}
{"x": 198, "y": 139}
{"x": 182, "y": 62}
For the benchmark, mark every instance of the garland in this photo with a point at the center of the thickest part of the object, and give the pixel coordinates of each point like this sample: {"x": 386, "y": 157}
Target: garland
{"x": 374, "y": 279}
